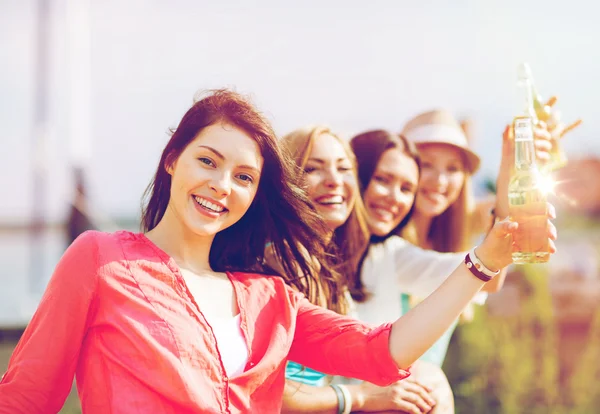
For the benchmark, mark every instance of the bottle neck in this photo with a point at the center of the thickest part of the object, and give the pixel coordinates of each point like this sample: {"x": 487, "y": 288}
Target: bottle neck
{"x": 525, "y": 91}
{"x": 524, "y": 148}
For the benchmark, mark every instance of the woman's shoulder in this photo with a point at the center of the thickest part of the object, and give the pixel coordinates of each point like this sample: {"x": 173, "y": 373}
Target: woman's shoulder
{"x": 103, "y": 239}
{"x": 90, "y": 252}
{"x": 105, "y": 246}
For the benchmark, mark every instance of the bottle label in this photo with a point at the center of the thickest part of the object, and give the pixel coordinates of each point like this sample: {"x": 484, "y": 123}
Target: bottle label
{"x": 523, "y": 130}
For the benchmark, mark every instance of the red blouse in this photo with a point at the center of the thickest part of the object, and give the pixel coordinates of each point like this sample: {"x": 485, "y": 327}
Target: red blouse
{"x": 118, "y": 314}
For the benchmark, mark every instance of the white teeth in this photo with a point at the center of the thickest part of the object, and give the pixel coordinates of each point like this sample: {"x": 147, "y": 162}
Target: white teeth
{"x": 384, "y": 214}
{"x": 336, "y": 199}
{"x": 208, "y": 204}
{"x": 435, "y": 196}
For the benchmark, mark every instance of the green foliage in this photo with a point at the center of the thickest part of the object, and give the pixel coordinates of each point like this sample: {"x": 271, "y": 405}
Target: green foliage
{"x": 511, "y": 364}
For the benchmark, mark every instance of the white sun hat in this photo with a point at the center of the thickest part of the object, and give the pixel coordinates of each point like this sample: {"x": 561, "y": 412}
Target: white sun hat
{"x": 440, "y": 127}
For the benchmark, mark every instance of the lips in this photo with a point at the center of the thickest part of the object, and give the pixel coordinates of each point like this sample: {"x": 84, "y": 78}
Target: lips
{"x": 382, "y": 213}
{"x": 434, "y": 196}
{"x": 209, "y": 206}
{"x": 330, "y": 200}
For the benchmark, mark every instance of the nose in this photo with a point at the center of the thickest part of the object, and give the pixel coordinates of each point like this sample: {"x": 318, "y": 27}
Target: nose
{"x": 396, "y": 197}
{"x": 333, "y": 178}
{"x": 221, "y": 184}
{"x": 439, "y": 178}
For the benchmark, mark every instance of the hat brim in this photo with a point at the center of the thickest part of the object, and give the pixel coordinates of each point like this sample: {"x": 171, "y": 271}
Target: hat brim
{"x": 472, "y": 159}
{"x": 451, "y": 135}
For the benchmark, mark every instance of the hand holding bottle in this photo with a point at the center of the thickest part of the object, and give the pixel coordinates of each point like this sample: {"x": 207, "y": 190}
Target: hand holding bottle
{"x": 496, "y": 250}
{"x": 542, "y": 138}
{"x": 542, "y": 145}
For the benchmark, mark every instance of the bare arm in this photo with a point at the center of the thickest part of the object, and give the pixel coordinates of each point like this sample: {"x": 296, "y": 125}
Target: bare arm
{"x": 406, "y": 396}
{"x": 417, "y": 330}
{"x": 301, "y": 398}
{"x": 340, "y": 345}
{"x": 496, "y": 283}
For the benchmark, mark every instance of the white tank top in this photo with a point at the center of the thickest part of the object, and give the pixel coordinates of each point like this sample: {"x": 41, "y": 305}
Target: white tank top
{"x": 231, "y": 343}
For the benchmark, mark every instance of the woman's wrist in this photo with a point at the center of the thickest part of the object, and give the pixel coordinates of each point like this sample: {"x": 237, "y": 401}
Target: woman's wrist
{"x": 344, "y": 398}
{"x": 358, "y": 397}
{"x": 485, "y": 260}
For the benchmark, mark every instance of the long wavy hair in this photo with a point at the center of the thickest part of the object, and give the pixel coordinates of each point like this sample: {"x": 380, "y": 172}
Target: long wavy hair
{"x": 451, "y": 231}
{"x": 350, "y": 240}
{"x": 368, "y": 147}
{"x": 454, "y": 229}
{"x": 280, "y": 213}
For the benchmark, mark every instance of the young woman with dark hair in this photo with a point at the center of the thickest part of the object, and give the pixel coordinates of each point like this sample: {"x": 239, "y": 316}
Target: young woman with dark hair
{"x": 390, "y": 169}
{"x": 184, "y": 317}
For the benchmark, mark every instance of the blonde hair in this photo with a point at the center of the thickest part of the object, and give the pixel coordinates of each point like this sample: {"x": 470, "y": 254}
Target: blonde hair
{"x": 350, "y": 240}
{"x": 450, "y": 232}
{"x": 454, "y": 229}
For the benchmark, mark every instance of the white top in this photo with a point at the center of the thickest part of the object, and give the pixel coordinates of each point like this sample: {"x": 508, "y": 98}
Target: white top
{"x": 396, "y": 266}
{"x": 231, "y": 344}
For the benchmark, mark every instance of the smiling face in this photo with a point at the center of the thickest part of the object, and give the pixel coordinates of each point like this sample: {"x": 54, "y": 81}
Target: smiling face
{"x": 443, "y": 175}
{"x": 331, "y": 180}
{"x": 391, "y": 191}
{"x": 215, "y": 179}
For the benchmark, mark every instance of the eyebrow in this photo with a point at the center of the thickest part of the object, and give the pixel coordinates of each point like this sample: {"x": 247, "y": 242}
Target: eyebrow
{"x": 221, "y": 156}
{"x": 321, "y": 161}
{"x": 214, "y": 151}
{"x": 388, "y": 174}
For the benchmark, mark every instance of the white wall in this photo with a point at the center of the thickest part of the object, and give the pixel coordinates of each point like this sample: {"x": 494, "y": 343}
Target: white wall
{"x": 346, "y": 63}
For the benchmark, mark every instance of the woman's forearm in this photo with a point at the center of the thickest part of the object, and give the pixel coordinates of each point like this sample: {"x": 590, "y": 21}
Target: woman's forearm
{"x": 496, "y": 283}
{"x": 416, "y": 331}
{"x": 302, "y": 398}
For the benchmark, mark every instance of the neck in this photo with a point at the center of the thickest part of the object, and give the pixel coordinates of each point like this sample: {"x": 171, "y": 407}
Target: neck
{"x": 422, "y": 226}
{"x": 189, "y": 250}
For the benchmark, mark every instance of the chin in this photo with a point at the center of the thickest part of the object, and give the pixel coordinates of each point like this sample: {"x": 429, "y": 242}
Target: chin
{"x": 334, "y": 218}
{"x": 205, "y": 232}
{"x": 380, "y": 230}
{"x": 432, "y": 210}
{"x": 204, "y": 229}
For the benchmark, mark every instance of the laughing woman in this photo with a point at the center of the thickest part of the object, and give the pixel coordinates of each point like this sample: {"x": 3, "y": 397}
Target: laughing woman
{"x": 183, "y": 318}
{"x": 329, "y": 169}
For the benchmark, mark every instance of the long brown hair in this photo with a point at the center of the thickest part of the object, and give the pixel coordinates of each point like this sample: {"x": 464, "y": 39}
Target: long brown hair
{"x": 280, "y": 212}
{"x": 453, "y": 230}
{"x": 350, "y": 240}
{"x": 368, "y": 147}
